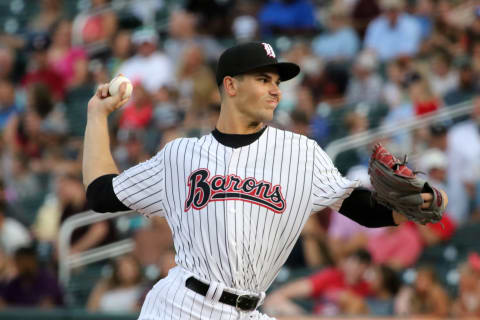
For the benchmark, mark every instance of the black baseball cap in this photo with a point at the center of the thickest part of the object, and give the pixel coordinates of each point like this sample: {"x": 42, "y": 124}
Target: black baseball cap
{"x": 250, "y": 56}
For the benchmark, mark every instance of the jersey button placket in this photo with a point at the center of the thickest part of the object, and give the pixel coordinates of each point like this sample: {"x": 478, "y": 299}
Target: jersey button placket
{"x": 232, "y": 227}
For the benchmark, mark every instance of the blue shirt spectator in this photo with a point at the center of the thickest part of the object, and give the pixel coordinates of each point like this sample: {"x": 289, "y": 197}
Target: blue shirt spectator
{"x": 340, "y": 41}
{"x": 286, "y": 16}
{"x": 394, "y": 33}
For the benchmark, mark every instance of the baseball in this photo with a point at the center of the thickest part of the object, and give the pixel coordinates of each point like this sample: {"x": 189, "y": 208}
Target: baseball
{"x": 114, "y": 86}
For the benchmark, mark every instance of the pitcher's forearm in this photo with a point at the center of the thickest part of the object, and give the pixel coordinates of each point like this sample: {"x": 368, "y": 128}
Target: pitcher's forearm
{"x": 97, "y": 157}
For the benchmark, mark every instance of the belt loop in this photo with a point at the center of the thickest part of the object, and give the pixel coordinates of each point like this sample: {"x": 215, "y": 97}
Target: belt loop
{"x": 262, "y": 298}
{"x": 219, "y": 292}
{"x": 215, "y": 291}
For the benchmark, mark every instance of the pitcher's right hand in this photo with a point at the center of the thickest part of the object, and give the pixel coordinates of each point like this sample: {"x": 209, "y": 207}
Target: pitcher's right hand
{"x": 104, "y": 104}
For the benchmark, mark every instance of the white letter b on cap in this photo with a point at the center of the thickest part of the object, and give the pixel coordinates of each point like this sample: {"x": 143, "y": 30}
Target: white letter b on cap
{"x": 269, "y": 50}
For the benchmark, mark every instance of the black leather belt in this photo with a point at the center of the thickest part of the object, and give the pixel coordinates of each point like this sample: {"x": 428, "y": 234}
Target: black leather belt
{"x": 243, "y": 302}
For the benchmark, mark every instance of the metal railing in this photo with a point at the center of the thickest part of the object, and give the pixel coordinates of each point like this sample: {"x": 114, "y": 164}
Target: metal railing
{"x": 68, "y": 261}
{"x": 364, "y": 138}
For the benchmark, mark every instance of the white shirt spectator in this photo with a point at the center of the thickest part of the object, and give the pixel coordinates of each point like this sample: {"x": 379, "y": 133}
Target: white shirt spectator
{"x": 392, "y": 41}
{"x": 121, "y": 300}
{"x": 13, "y": 235}
{"x": 441, "y": 85}
{"x": 464, "y": 167}
{"x": 154, "y": 71}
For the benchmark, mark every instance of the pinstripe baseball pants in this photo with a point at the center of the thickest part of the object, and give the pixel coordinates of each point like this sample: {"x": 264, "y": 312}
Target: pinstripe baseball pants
{"x": 169, "y": 299}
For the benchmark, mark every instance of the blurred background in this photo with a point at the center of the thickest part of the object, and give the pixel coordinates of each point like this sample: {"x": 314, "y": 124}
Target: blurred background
{"x": 401, "y": 72}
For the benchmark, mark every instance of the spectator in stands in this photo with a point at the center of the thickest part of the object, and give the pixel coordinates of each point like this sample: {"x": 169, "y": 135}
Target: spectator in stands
{"x": 334, "y": 289}
{"x": 463, "y": 170}
{"x": 366, "y": 85}
{"x": 471, "y": 36}
{"x": 447, "y": 32}
{"x": 400, "y": 247}
{"x": 385, "y": 284}
{"x": 426, "y": 297}
{"x": 153, "y": 241}
{"x": 311, "y": 249}
{"x": 393, "y": 90}
{"x": 363, "y": 12}
{"x": 339, "y": 41}
{"x": 465, "y": 89}
{"x": 144, "y": 66}
{"x": 39, "y": 69}
{"x": 183, "y": 32}
{"x": 245, "y": 25}
{"x": 25, "y": 132}
{"x": 442, "y": 77}
{"x": 213, "y": 16}
{"x": 138, "y": 113}
{"x": 393, "y": 34}
{"x": 13, "y": 235}
{"x": 95, "y": 28}
{"x": 467, "y": 303}
{"x": 438, "y": 137}
{"x": 121, "y": 291}
{"x": 49, "y": 13}
{"x": 34, "y": 286}
{"x": 424, "y": 15}
{"x": 72, "y": 200}
{"x": 330, "y": 88}
{"x": 7, "y": 271}
{"x": 7, "y": 63}
{"x": 355, "y": 121}
{"x": 196, "y": 83}
{"x": 8, "y": 107}
{"x": 290, "y": 17}
{"x": 71, "y": 63}
{"x": 121, "y": 51}
{"x": 423, "y": 100}
{"x": 130, "y": 149}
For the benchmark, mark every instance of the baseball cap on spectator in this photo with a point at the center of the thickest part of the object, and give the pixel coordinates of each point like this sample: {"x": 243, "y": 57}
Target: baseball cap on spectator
{"x": 37, "y": 42}
{"x": 144, "y": 35}
{"x": 438, "y": 129}
{"x": 250, "y": 56}
{"x": 366, "y": 61}
{"x": 433, "y": 159}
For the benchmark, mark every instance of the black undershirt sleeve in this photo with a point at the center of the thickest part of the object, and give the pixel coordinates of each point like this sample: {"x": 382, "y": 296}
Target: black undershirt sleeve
{"x": 362, "y": 209}
{"x": 102, "y": 198}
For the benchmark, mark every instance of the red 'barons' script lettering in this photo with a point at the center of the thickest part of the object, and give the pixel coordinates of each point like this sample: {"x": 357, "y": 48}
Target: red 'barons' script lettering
{"x": 202, "y": 190}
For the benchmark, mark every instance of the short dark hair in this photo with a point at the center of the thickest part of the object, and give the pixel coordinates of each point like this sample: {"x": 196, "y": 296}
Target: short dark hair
{"x": 390, "y": 279}
{"x": 220, "y": 85}
{"x": 28, "y": 251}
{"x": 362, "y": 255}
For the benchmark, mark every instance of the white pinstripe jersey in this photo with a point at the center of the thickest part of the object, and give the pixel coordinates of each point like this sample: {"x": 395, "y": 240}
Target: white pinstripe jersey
{"x": 235, "y": 213}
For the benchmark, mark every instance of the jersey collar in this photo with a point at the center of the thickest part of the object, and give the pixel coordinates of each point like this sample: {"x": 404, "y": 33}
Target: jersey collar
{"x": 237, "y": 140}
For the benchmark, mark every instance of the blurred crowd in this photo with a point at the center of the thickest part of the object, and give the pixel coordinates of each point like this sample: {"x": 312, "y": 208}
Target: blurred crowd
{"x": 366, "y": 65}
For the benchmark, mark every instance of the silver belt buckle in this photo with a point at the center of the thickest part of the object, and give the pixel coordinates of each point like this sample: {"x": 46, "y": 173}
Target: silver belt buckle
{"x": 241, "y": 298}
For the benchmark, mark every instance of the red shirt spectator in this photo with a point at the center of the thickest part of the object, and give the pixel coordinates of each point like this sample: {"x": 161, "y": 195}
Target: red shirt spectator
{"x": 50, "y": 78}
{"x": 329, "y": 283}
{"x": 138, "y": 114}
